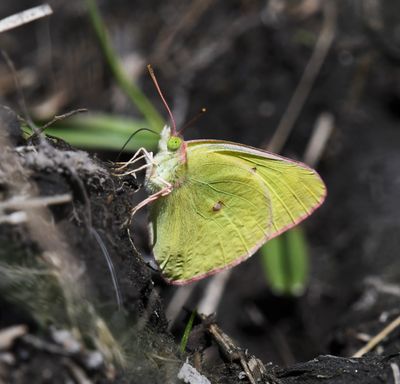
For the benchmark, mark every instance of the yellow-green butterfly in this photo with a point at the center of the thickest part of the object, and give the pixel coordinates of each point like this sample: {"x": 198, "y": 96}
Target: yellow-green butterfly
{"x": 214, "y": 203}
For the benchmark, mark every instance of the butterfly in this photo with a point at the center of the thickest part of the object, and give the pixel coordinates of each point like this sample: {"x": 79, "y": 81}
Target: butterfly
{"x": 214, "y": 203}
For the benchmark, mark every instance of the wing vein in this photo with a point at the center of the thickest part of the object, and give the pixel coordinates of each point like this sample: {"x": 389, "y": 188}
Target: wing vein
{"x": 238, "y": 232}
{"x": 226, "y": 193}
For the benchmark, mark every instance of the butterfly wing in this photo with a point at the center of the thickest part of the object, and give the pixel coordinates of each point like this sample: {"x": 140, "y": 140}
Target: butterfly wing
{"x": 233, "y": 200}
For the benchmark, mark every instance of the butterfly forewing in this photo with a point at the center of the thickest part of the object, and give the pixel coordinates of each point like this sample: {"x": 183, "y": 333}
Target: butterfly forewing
{"x": 295, "y": 189}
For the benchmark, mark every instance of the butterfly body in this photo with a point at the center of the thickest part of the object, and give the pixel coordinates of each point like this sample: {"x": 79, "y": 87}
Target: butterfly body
{"x": 168, "y": 165}
{"x": 217, "y": 202}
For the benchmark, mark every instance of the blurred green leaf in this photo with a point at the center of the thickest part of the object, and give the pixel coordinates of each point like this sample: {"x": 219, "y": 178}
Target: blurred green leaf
{"x": 102, "y": 131}
{"x": 286, "y": 262}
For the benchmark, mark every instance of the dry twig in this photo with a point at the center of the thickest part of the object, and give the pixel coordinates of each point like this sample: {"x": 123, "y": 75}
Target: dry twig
{"x": 378, "y": 338}
{"x": 25, "y": 17}
{"x": 396, "y": 373}
{"x": 8, "y": 335}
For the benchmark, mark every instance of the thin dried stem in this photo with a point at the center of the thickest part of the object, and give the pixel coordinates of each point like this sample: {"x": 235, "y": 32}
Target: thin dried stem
{"x": 25, "y": 17}
{"x": 57, "y": 118}
{"x": 379, "y": 337}
{"x": 32, "y": 202}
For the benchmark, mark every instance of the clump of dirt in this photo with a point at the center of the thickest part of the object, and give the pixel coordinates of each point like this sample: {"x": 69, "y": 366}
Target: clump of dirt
{"x": 55, "y": 275}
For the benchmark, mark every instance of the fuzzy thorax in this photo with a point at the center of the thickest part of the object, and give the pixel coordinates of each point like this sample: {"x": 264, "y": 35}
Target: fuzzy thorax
{"x": 167, "y": 166}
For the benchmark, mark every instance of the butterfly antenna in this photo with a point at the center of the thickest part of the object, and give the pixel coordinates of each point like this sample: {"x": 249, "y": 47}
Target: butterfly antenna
{"x": 153, "y": 77}
{"x": 130, "y": 138}
{"x": 192, "y": 120}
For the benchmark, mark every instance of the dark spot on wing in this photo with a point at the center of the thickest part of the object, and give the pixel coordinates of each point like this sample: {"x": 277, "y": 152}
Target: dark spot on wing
{"x": 217, "y": 206}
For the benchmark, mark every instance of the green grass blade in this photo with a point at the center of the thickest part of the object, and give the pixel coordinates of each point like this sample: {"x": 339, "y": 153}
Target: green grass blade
{"x": 102, "y": 131}
{"x": 286, "y": 262}
{"x": 187, "y": 331}
{"x": 300, "y": 260}
{"x": 102, "y": 140}
{"x": 271, "y": 257}
{"x": 104, "y": 122}
{"x": 136, "y": 96}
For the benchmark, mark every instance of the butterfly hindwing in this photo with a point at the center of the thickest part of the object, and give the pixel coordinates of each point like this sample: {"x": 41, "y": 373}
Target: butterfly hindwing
{"x": 218, "y": 217}
{"x": 234, "y": 198}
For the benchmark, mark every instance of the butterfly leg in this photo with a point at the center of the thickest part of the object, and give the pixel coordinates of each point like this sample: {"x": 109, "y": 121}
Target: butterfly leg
{"x": 134, "y": 171}
{"x": 141, "y": 151}
{"x": 144, "y": 154}
{"x": 163, "y": 192}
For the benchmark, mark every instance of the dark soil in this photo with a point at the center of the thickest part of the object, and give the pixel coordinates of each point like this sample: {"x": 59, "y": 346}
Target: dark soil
{"x": 242, "y": 60}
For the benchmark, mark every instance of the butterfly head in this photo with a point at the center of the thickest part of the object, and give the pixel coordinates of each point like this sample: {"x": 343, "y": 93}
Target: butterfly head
{"x": 174, "y": 143}
{"x": 170, "y": 141}
{"x": 169, "y": 163}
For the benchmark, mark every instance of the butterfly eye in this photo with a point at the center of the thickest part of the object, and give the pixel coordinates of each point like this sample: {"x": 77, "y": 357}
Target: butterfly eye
{"x": 174, "y": 143}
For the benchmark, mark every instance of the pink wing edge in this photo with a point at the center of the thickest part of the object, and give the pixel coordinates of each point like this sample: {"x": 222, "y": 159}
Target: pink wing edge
{"x": 252, "y": 251}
